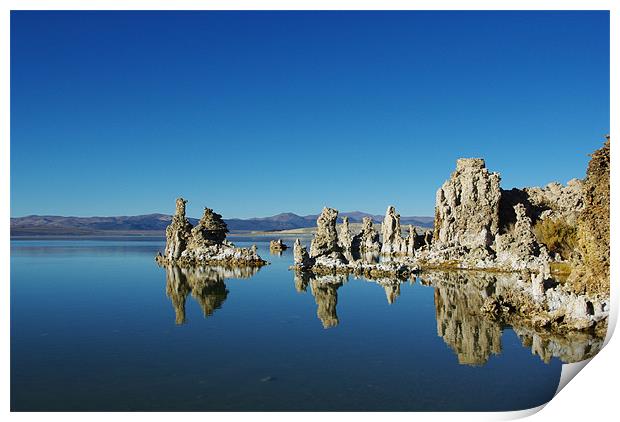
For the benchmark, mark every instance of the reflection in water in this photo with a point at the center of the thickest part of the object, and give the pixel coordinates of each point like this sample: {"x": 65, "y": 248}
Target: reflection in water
{"x": 206, "y": 285}
{"x": 392, "y": 289}
{"x": 572, "y": 347}
{"x": 324, "y": 289}
{"x": 458, "y": 298}
{"x": 473, "y": 339}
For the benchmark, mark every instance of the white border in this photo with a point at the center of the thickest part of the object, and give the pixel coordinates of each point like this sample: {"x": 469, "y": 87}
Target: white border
{"x": 590, "y": 395}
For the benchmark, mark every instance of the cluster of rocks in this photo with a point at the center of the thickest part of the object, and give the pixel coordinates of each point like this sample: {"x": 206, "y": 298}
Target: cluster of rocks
{"x": 479, "y": 226}
{"x": 277, "y": 246}
{"x": 336, "y": 249}
{"x": 204, "y": 244}
{"x": 470, "y": 212}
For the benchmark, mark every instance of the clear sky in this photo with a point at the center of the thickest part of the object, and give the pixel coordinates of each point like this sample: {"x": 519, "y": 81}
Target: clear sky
{"x": 257, "y": 113}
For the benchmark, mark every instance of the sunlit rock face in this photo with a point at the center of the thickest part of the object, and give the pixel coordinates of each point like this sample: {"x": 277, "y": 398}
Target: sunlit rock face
{"x": 276, "y": 246}
{"x": 367, "y": 241}
{"x": 345, "y": 240}
{"x": 206, "y": 285}
{"x": 210, "y": 230}
{"x": 301, "y": 257}
{"x": 457, "y": 303}
{"x": 393, "y": 242}
{"x": 204, "y": 244}
{"x": 467, "y": 206}
{"x": 592, "y": 265}
{"x": 178, "y": 232}
{"x": 325, "y": 292}
{"x": 518, "y": 248}
{"x": 325, "y": 241}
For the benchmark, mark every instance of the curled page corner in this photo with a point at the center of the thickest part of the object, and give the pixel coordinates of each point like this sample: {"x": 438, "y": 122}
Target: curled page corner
{"x": 569, "y": 370}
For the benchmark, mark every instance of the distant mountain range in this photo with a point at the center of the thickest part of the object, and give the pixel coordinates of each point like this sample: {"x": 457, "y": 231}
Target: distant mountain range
{"x": 155, "y": 224}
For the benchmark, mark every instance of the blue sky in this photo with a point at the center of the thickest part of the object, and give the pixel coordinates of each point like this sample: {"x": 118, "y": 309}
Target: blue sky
{"x": 256, "y": 113}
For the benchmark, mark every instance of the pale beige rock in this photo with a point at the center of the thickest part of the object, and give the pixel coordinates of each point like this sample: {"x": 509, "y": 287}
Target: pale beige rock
{"x": 367, "y": 241}
{"x": 345, "y": 239}
{"x": 301, "y": 258}
{"x": 393, "y": 242}
{"x": 204, "y": 244}
{"x": 467, "y": 206}
{"x": 325, "y": 241}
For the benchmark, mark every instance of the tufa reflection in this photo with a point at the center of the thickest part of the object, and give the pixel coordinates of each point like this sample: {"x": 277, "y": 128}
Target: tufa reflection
{"x": 206, "y": 285}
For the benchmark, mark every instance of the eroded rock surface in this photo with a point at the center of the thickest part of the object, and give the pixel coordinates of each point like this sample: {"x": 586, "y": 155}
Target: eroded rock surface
{"x": 325, "y": 241}
{"x": 591, "y": 274}
{"x": 204, "y": 244}
{"x": 467, "y": 206}
{"x": 367, "y": 241}
{"x": 345, "y": 239}
{"x": 393, "y": 242}
{"x": 178, "y": 232}
{"x": 277, "y": 245}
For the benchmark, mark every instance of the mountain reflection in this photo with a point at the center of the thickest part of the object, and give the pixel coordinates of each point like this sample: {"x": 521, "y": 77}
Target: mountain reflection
{"x": 206, "y": 285}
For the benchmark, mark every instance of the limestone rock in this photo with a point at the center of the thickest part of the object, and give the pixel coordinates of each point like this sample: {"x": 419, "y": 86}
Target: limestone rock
{"x": 277, "y": 245}
{"x": 518, "y": 249}
{"x": 178, "y": 232}
{"x": 393, "y": 242}
{"x": 301, "y": 257}
{"x": 204, "y": 244}
{"x": 592, "y": 272}
{"x": 467, "y": 206}
{"x": 345, "y": 239}
{"x": 210, "y": 230}
{"x": 325, "y": 241}
{"x": 367, "y": 241}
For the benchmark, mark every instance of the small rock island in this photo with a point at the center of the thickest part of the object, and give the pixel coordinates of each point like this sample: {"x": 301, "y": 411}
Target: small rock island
{"x": 205, "y": 244}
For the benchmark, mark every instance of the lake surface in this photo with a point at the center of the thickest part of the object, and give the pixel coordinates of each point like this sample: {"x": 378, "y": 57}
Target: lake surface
{"x": 97, "y": 325}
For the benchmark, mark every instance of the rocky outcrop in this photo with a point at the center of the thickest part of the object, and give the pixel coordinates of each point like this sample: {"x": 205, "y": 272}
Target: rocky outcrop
{"x": 204, "y": 244}
{"x": 210, "y": 230}
{"x": 367, "y": 241}
{"x": 178, "y": 232}
{"x": 301, "y": 257}
{"x": 412, "y": 241}
{"x": 591, "y": 274}
{"x": 519, "y": 249}
{"x": 467, "y": 207}
{"x": 325, "y": 241}
{"x": 277, "y": 245}
{"x": 393, "y": 242}
{"x": 345, "y": 240}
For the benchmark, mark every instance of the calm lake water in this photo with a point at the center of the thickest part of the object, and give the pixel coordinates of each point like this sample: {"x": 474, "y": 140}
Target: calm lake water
{"x": 97, "y": 325}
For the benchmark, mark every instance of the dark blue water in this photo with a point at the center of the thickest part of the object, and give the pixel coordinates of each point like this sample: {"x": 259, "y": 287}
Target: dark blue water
{"x": 97, "y": 325}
